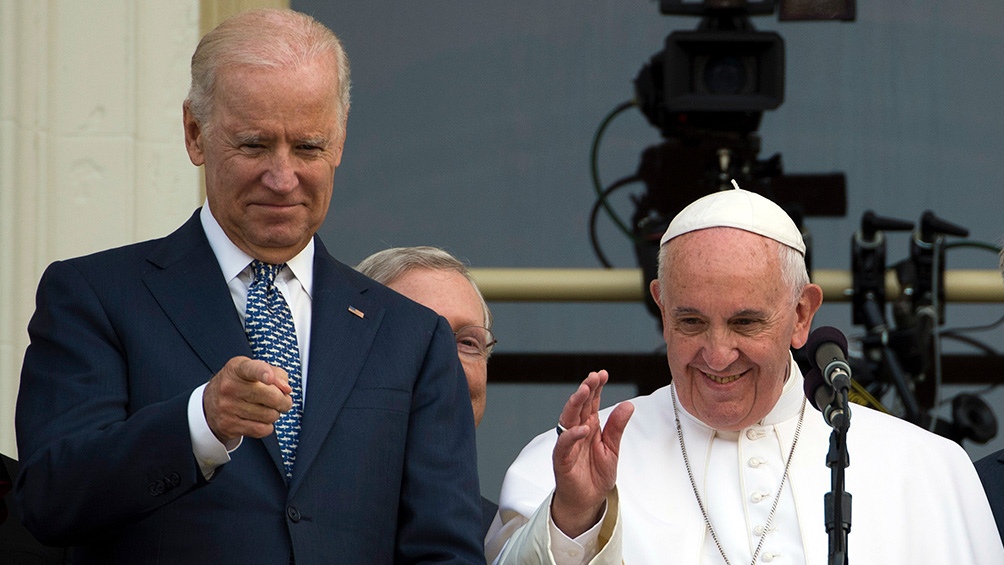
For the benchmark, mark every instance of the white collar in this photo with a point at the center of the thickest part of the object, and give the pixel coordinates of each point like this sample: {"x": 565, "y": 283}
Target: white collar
{"x": 234, "y": 261}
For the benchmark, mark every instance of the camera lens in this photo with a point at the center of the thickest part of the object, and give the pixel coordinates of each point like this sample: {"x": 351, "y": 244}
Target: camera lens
{"x": 725, "y": 74}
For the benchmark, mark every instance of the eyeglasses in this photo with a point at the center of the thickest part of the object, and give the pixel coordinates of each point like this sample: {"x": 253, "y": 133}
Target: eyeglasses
{"x": 475, "y": 340}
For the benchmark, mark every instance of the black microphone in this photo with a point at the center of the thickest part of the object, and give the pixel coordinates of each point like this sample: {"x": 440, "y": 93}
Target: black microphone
{"x": 827, "y": 349}
{"x": 829, "y": 379}
{"x": 822, "y": 397}
{"x": 816, "y": 390}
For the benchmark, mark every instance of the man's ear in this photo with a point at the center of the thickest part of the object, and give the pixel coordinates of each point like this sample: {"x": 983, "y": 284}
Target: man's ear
{"x": 193, "y": 136}
{"x": 338, "y": 151}
{"x": 341, "y": 142}
{"x": 656, "y": 290}
{"x": 808, "y": 304}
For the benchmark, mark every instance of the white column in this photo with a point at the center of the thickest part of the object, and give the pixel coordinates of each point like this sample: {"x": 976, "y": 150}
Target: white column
{"x": 91, "y": 143}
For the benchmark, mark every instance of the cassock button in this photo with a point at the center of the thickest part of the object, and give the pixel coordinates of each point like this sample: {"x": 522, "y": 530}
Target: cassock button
{"x": 754, "y": 435}
{"x": 293, "y": 514}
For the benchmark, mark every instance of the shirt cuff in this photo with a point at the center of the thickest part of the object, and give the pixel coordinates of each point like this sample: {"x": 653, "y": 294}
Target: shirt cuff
{"x": 582, "y": 549}
{"x": 209, "y": 452}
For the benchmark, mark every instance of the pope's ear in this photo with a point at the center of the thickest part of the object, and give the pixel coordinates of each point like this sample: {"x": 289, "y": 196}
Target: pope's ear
{"x": 655, "y": 288}
{"x": 808, "y": 304}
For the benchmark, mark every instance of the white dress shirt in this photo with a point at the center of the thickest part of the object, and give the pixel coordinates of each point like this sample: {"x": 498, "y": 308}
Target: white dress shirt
{"x": 295, "y": 282}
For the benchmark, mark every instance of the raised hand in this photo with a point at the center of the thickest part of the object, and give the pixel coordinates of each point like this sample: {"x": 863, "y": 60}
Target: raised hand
{"x": 585, "y": 457}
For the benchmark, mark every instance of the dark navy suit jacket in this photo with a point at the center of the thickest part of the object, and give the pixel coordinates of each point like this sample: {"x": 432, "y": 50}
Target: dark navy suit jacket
{"x": 386, "y": 468}
{"x": 991, "y": 470}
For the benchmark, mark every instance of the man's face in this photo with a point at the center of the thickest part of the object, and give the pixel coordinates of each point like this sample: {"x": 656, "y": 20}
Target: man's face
{"x": 728, "y": 321}
{"x": 451, "y": 296}
{"x": 270, "y": 153}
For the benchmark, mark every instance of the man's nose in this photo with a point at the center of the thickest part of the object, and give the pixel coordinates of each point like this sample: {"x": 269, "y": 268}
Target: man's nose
{"x": 720, "y": 350}
{"x": 281, "y": 173}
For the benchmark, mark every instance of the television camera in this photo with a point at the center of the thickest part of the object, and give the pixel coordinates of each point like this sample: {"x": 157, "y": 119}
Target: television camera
{"x": 706, "y": 92}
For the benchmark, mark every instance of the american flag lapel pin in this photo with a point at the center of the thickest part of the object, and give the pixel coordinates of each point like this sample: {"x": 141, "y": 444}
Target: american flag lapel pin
{"x": 357, "y": 311}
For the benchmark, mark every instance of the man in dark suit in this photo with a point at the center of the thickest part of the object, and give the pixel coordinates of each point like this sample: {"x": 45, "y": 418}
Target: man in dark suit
{"x": 178, "y": 405}
{"x": 991, "y": 471}
{"x": 17, "y": 546}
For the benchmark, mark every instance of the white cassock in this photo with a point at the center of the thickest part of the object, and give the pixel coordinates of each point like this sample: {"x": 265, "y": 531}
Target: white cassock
{"x": 916, "y": 497}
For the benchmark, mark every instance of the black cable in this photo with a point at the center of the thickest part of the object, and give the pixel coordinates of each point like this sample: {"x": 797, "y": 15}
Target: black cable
{"x": 986, "y": 349}
{"x": 602, "y": 201}
{"x": 594, "y": 167}
{"x": 955, "y": 333}
{"x": 988, "y": 327}
{"x": 975, "y": 244}
{"x": 979, "y": 393}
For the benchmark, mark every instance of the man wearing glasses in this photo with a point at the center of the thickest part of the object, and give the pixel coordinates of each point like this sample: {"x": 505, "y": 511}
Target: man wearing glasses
{"x": 434, "y": 278}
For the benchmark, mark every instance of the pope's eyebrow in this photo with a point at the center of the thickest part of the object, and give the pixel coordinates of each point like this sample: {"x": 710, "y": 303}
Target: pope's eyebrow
{"x": 751, "y": 313}
{"x": 685, "y": 311}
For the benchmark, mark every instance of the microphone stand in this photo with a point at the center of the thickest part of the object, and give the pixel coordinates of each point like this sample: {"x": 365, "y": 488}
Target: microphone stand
{"x": 837, "y": 502}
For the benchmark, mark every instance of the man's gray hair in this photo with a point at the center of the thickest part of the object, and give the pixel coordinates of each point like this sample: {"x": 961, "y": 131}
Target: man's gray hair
{"x": 269, "y": 39}
{"x": 388, "y": 265}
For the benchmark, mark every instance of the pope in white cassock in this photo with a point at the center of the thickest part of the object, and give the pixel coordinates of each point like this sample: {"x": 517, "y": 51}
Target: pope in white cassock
{"x": 727, "y": 463}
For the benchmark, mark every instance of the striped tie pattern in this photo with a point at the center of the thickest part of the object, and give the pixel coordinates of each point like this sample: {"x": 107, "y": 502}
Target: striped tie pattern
{"x": 269, "y": 327}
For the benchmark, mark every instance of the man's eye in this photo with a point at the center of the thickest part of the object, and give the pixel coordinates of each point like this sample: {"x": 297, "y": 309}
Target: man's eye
{"x": 747, "y": 325}
{"x": 690, "y": 324}
{"x": 469, "y": 346}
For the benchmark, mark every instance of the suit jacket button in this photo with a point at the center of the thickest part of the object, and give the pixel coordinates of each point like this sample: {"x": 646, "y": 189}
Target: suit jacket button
{"x": 293, "y": 513}
{"x": 174, "y": 479}
{"x": 157, "y": 488}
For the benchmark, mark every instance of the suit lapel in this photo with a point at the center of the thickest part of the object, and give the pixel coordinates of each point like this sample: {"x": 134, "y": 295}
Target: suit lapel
{"x": 189, "y": 285}
{"x": 338, "y": 342}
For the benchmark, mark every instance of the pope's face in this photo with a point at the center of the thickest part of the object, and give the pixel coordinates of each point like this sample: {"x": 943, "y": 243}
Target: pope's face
{"x": 270, "y": 150}
{"x": 728, "y": 321}
{"x": 451, "y": 295}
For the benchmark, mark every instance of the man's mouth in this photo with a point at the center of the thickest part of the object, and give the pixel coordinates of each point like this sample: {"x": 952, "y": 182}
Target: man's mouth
{"x": 723, "y": 380}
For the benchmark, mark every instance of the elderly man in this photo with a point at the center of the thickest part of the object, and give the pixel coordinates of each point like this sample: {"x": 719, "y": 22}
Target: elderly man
{"x": 231, "y": 393}
{"x": 725, "y": 465}
{"x": 434, "y": 278}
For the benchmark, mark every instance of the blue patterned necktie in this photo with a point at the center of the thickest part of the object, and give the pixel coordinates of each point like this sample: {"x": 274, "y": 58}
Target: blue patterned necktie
{"x": 269, "y": 327}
